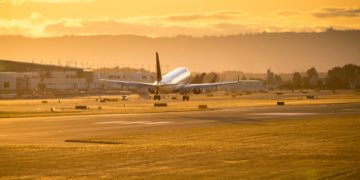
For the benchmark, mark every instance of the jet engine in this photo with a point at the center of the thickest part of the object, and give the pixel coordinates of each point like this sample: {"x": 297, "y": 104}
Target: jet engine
{"x": 198, "y": 91}
{"x": 151, "y": 91}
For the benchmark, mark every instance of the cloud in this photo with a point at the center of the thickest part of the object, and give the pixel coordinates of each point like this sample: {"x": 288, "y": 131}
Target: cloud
{"x": 233, "y": 28}
{"x": 220, "y": 15}
{"x": 114, "y": 27}
{"x": 212, "y": 23}
{"x": 31, "y": 26}
{"x": 288, "y": 13}
{"x": 20, "y": 2}
{"x": 337, "y": 12}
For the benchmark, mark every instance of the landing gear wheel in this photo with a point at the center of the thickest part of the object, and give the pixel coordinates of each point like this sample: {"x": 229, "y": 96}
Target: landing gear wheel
{"x": 157, "y": 97}
{"x": 186, "y": 98}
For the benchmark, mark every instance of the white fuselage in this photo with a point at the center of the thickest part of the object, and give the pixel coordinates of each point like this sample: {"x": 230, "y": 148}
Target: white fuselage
{"x": 173, "y": 80}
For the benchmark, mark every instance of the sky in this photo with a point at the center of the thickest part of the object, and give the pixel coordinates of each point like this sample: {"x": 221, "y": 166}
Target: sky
{"x": 48, "y": 18}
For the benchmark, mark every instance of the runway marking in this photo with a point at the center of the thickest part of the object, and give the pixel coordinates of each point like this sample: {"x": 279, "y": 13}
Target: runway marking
{"x": 282, "y": 114}
{"x": 350, "y": 109}
{"x": 133, "y": 122}
{"x": 86, "y": 117}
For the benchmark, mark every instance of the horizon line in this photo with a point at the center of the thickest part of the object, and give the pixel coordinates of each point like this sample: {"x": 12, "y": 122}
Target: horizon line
{"x": 329, "y": 29}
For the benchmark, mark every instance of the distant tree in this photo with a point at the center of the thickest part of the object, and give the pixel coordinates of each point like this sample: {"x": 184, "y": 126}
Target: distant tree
{"x": 211, "y": 77}
{"x": 336, "y": 79}
{"x": 345, "y": 77}
{"x": 286, "y": 85}
{"x": 297, "y": 80}
{"x": 312, "y": 73}
{"x": 277, "y": 79}
{"x": 352, "y": 73}
{"x": 243, "y": 78}
{"x": 306, "y": 82}
{"x": 319, "y": 84}
{"x": 311, "y": 79}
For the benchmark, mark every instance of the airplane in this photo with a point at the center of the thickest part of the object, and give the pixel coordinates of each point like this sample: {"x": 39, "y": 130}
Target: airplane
{"x": 176, "y": 81}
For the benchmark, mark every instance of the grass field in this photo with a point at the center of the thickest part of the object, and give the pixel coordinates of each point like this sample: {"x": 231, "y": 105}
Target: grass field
{"x": 30, "y": 108}
{"x": 302, "y": 148}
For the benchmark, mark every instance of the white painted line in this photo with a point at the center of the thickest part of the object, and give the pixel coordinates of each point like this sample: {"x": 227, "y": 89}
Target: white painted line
{"x": 350, "y": 109}
{"x": 163, "y": 122}
{"x": 86, "y": 117}
{"x": 120, "y": 122}
{"x": 132, "y": 122}
{"x": 282, "y": 114}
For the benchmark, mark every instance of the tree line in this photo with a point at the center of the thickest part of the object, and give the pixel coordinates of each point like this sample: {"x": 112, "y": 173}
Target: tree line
{"x": 345, "y": 77}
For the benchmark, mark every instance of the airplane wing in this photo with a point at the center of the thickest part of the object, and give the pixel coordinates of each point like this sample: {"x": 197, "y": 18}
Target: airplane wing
{"x": 129, "y": 83}
{"x": 206, "y": 85}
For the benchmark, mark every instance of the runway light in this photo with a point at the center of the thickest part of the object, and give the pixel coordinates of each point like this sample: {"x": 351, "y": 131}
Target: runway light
{"x": 280, "y": 103}
{"x": 81, "y": 107}
{"x": 202, "y": 106}
{"x": 160, "y": 104}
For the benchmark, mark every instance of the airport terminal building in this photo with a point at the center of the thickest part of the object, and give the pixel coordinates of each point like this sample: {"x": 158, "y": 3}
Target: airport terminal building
{"x": 20, "y": 79}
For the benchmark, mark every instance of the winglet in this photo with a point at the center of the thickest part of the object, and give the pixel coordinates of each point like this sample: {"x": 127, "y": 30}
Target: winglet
{"x": 158, "y": 69}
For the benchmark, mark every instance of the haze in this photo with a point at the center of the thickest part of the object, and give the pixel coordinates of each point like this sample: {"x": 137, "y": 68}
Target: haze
{"x": 49, "y": 20}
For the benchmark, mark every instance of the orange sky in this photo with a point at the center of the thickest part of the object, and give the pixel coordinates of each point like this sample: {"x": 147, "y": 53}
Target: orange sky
{"x": 41, "y": 18}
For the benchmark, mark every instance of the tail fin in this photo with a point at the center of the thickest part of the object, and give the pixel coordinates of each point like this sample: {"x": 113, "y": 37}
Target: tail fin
{"x": 158, "y": 69}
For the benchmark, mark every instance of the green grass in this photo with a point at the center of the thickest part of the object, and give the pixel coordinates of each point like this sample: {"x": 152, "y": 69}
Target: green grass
{"x": 303, "y": 148}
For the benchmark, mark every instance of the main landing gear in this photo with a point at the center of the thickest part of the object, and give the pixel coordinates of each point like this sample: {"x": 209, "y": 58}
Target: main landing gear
{"x": 186, "y": 97}
{"x": 157, "y": 97}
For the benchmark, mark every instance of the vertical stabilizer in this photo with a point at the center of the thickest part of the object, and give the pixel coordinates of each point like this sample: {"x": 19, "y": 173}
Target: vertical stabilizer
{"x": 158, "y": 69}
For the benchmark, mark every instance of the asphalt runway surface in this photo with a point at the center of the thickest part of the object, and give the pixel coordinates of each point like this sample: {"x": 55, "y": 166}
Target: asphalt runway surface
{"x": 57, "y": 129}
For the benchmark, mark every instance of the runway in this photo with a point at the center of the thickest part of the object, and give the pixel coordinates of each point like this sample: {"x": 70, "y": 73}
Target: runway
{"x": 57, "y": 129}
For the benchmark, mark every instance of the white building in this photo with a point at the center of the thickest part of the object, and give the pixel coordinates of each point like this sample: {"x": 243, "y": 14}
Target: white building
{"x": 66, "y": 81}
{"x": 123, "y": 76}
{"x": 8, "y": 82}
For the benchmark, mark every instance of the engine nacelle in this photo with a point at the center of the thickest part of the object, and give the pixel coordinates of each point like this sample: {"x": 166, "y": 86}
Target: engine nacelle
{"x": 152, "y": 91}
{"x": 197, "y": 91}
